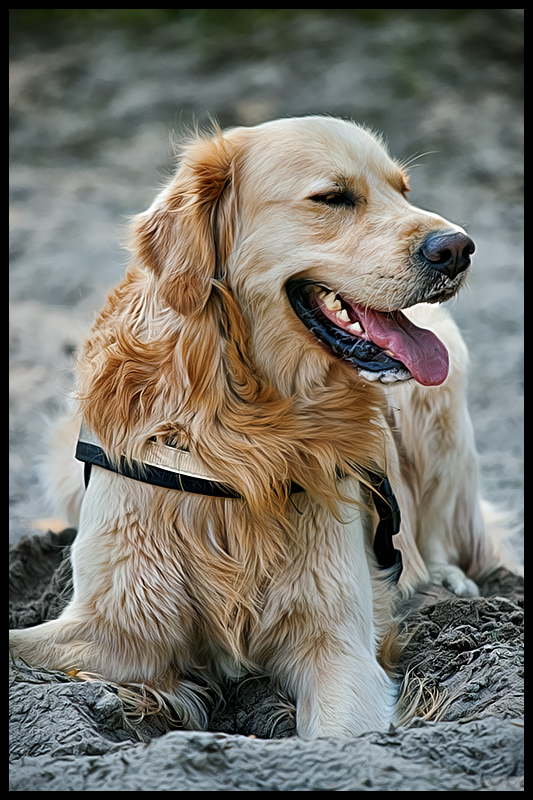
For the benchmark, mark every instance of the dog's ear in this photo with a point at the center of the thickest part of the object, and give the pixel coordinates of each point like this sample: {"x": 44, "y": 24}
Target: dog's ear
{"x": 188, "y": 231}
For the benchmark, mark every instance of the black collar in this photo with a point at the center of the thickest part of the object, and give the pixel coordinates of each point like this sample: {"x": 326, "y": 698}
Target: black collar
{"x": 385, "y": 502}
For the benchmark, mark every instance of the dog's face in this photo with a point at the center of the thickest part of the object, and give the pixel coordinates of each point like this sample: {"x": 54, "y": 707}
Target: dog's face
{"x": 308, "y": 221}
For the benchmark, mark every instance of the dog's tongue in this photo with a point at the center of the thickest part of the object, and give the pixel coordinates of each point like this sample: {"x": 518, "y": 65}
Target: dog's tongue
{"x": 419, "y": 349}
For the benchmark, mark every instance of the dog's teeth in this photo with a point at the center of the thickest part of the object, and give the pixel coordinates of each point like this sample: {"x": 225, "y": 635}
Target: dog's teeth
{"x": 343, "y": 315}
{"x": 355, "y": 327}
{"x": 331, "y": 302}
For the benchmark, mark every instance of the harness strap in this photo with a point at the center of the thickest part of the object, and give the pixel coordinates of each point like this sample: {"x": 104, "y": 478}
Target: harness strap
{"x": 145, "y": 472}
{"x": 181, "y": 471}
{"x": 389, "y": 523}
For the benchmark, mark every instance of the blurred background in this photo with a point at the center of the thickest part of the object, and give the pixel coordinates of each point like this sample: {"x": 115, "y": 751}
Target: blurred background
{"x": 99, "y": 95}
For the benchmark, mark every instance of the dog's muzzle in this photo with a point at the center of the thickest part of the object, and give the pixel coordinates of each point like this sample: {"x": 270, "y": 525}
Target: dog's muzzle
{"x": 384, "y": 346}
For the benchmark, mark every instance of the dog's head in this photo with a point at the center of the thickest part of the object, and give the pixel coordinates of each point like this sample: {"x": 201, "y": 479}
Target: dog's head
{"x": 308, "y": 222}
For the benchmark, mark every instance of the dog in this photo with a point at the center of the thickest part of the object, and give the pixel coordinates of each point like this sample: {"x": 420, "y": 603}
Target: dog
{"x": 280, "y": 333}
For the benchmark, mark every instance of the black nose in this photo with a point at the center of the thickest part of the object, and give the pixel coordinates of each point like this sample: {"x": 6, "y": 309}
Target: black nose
{"x": 449, "y": 253}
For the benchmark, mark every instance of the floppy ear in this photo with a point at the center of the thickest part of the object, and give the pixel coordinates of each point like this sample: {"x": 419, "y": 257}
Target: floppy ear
{"x": 189, "y": 228}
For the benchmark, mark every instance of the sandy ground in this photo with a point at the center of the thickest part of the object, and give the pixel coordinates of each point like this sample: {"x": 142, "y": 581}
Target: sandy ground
{"x": 93, "y": 115}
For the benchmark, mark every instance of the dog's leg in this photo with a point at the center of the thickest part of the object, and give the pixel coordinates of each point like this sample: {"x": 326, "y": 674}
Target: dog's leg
{"x": 128, "y": 622}
{"x": 340, "y": 693}
{"x": 322, "y": 626}
{"x": 439, "y": 450}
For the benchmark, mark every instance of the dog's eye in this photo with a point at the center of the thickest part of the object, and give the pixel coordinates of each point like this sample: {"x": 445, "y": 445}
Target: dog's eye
{"x": 334, "y": 199}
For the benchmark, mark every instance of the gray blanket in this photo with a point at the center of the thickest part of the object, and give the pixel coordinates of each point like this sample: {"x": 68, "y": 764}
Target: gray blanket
{"x": 70, "y": 735}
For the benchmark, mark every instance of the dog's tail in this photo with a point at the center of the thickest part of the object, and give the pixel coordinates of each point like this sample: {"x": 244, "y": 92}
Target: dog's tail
{"x": 60, "y": 474}
{"x": 504, "y": 534}
{"x": 498, "y": 546}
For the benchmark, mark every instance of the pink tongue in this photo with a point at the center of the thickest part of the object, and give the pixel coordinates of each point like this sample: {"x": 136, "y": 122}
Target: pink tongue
{"x": 420, "y": 350}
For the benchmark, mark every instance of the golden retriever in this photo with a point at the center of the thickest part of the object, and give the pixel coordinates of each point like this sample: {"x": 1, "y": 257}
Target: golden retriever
{"x": 279, "y": 334}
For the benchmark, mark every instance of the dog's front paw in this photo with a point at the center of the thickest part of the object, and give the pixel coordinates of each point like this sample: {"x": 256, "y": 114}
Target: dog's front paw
{"x": 453, "y": 579}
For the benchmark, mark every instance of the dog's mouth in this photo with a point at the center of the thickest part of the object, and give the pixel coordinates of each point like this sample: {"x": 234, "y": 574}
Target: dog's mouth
{"x": 384, "y": 346}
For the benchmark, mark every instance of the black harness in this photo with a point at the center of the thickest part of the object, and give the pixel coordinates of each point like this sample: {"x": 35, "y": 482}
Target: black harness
{"x": 385, "y": 502}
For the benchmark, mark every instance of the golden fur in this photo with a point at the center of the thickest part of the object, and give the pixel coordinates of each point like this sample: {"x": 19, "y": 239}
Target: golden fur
{"x": 199, "y": 342}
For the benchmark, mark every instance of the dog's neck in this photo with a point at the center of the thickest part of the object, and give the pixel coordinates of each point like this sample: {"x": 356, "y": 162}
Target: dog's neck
{"x": 167, "y": 465}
